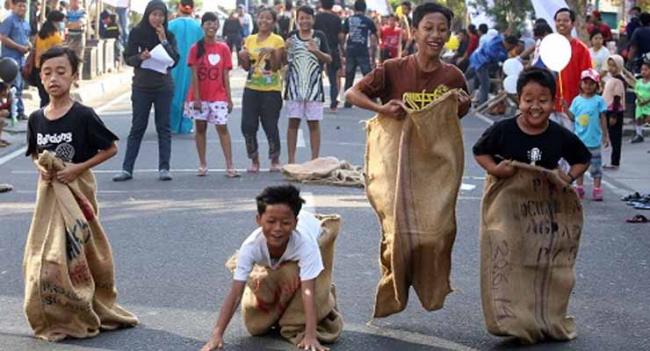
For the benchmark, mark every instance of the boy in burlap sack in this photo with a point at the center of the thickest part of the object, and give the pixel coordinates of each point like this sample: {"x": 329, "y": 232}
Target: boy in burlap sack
{"x": 414, "y": 163}
{"x": 279, "y": 258}
{"x": 68, "y": 264}
{"x": 531, "y": 219}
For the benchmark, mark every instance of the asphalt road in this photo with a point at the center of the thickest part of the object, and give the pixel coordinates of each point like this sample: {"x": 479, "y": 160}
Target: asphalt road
{"x": 171, "y": 239}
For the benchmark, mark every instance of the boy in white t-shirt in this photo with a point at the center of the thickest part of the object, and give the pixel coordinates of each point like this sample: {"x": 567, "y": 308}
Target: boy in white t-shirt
{"x": 285, "y": 234}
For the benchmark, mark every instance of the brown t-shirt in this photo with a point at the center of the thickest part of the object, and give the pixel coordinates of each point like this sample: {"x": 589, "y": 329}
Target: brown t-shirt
{"x": 398, "y": 76}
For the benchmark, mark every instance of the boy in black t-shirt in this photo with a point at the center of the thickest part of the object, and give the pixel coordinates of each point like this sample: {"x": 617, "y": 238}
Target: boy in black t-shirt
{"x": 531, "y": 137}
{"x": 67, "y": 128}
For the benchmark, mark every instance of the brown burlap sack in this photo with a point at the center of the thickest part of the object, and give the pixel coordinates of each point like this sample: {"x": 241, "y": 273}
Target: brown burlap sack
{"x": 414, "y": 169}
{"x": 68, "y": 264}
{"x": 273, "y": 297}
{"x": 530, "y": 231}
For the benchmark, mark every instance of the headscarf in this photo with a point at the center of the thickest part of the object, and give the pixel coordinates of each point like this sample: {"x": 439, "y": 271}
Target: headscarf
{"x": 147, "y": 38}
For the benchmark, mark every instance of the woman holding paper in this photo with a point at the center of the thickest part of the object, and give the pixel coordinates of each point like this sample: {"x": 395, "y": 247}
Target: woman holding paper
{"x": 151, "y": 50}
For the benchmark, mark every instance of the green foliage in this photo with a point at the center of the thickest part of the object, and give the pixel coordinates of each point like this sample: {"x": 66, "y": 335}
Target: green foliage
{"x": 506, "y": 13}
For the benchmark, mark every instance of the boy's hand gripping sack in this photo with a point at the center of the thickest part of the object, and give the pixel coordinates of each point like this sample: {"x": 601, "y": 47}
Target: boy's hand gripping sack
{"x": 68, "y": 264}
{"x": 274, "y": 297}
{"x": 530, "y": 230}
{"x": 414, "y": 169}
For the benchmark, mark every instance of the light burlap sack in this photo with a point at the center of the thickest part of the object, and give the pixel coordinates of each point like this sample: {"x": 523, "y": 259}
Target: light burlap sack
{"x": 530, "y": 231}
{"x": 325, "y": 171}
{"x": 68, "y": 264}
{"x": 273, "y": 297}
{"x": 414, "y": 169}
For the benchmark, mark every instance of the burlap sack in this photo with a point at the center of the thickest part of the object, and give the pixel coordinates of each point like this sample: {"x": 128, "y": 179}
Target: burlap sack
{"x": 530, "y": 231}
{"x": 273, "y": 297}
{"x": 414, "y": 169}
{"x": 68, "y": 264}
{"x": 325, "y": 171}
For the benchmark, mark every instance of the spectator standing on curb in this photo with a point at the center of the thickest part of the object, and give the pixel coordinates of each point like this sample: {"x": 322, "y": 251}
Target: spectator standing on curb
{"x": 246, "y": 21}
{"x": 15, "y": 37}
{"x": 569, "y": 78}
{"x": 262, "y": 57}
{"x": 307, "y": 50}
{"x": 484, "y": 60}
{"x": 330, "y": 23}
{"x": 76, "y": 25}
{"x": 640, "y": 42}
{"x": 187, "y": 32}
{"x": 232, "y": 30}
{"x": 286, "y": 21}
{"x": 150, "y": 88}
{"x": 122, "y": 11}
{"x": 48, "y": 37}
{"x": 358, "y": 28}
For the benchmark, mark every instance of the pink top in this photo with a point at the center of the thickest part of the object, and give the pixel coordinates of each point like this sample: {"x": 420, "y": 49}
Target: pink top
{"x": 614, "y": 87}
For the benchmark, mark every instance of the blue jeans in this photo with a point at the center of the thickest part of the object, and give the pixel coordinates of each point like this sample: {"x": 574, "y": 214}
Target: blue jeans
{"x": 141, "y": 101}
{"x": 483, "y": 75}
{"x": 362, "y": 61}
{"x": 123, "y": 19}
{"x": 332, "y": 76}
{"x": 19, "y": 84}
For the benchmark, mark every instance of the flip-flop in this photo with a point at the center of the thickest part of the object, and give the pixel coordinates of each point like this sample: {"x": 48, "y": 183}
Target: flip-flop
{"x": 253, "y": 170}
{"x": 642, "y": 206}
{"x": 637, "y": 219}
{"x": 203, "y": 171}
{"x": 275, "y": 169}
{"x": 632, "y": 197}
{"x": 231, "y": 173}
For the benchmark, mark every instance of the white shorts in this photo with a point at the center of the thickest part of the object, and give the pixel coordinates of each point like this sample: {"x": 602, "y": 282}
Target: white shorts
{"x": 211, "y": 112}
{"x": 309, "y": 110}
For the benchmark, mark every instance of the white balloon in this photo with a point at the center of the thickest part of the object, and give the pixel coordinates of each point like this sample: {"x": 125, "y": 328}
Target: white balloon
{"x": 512, "y": 67}
{"x": 555, "y": 51}
{"x": 510, "y": 84}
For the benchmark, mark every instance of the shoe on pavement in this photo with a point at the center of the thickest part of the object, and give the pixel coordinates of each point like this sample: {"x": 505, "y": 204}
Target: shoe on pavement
{"x": 637, "y": 139}
{"x": 164, "y": 175}
{"x": 580, "y": 190}
{"x": 597, "y": 194}
{"x": 6, "y": 188}
{"x": 123, "y": 177}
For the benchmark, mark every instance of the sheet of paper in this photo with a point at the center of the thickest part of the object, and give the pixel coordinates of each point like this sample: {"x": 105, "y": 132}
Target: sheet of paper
{"x": 159, "y": 60}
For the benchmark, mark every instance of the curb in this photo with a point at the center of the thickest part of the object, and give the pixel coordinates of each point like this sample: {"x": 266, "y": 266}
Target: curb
{"x": 113, "y": 84}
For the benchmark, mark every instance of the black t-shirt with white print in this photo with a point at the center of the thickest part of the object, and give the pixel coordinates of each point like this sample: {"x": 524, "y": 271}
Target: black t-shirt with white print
{"x": 305, "y": 71}
{"x": 506, "y": 141}
{"x": 75, "y": 137}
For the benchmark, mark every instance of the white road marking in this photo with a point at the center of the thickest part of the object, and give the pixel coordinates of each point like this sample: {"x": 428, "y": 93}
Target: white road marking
{"x": 467, "y": 187}
{"x": 301, "y": 139}
{"x": 6, "y": 158}
{"x": 310, "y": 203}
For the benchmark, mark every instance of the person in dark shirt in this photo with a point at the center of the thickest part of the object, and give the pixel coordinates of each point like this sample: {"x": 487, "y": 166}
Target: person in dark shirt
{"x": 640, "y": 42}
{"x": 70, "y": 130}
{"x": 358, "y": 28}
{"x": 330, "y": 23}
{"x": 531, "y": 137}
{"x": 232, "y": 32}
{"x": 150, "y": 87}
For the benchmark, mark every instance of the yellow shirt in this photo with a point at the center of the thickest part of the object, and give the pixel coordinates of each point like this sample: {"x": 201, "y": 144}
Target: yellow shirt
{"x": 260, "y": 77}
{"x": 453, "y": 44}
{"x": 42, "y": 45}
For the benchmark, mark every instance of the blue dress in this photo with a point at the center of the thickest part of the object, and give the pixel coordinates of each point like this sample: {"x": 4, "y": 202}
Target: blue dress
{"x": 187, "y": 32}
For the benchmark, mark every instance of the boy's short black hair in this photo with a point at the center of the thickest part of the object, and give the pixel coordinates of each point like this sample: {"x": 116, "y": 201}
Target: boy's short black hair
{"x": 431, "y": 7}
{"x": 407, "y": 4}
{"x": 572, "y": 13}
{"x": 483, "y": 28}
{"x": 327, "y": 4}
{"x": 282, "y": 194}
{"x": 644, "y": 18}
{"x": 542, "y": 29}
{"x": 594, "y": 33}
{"x": 307, "y": 10}
{"x": 540, "y": 76}
{"x": 360, "y": 6}
{"x": 512, "y": 39}
{"x": 18, "y": 1}
{"x": 58, "y": 51}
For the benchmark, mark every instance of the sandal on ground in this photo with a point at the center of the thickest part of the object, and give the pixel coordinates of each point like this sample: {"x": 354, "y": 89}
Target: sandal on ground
{"x": 642, "y": 206}
{"x": 632, "y": 197}
{"x": 202, "y": 171}
{"x": 275, "y": 168}
{"x": 232, "y": 173}
{"x": 612, "y": 167}
{"x": 4, "y": 143}
{"x": 637, "y": 219}
{"x": 253, "y": 169}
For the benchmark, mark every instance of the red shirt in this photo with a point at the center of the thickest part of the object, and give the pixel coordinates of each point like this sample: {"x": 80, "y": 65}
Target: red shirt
{"x": 570, "y": 75}
{"x": 390, "y": 39}
{"x": 473, "y": 44}
{"x": 210, "y": 69}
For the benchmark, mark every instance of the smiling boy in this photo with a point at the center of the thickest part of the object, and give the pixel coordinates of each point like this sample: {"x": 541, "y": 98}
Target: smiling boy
{"x": 285, "y": 234}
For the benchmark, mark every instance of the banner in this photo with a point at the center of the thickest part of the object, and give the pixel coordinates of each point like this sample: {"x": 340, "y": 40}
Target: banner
{"x": 546, "y": 9}
{"x": 380, "y": 6}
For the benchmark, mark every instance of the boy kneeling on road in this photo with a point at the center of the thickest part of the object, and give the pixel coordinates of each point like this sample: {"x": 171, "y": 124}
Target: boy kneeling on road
{"x": 285, "y": 234}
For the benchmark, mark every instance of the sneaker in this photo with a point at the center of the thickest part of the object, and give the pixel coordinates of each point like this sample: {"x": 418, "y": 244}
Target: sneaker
{"x": 122, "y": 177}
{"x": 597, "y": 194}
{"x": 637, "y": 139}
{"x": 6, "y": 188}
{"x": 580, "y": 190}
{"x": 164, "y": 175}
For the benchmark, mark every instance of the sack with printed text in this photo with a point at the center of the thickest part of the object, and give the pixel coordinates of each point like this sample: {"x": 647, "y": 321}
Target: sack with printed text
{"x": 68, "y": 263}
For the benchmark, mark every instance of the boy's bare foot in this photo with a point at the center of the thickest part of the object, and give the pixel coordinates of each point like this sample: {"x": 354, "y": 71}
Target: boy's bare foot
{"x": 253, "y": 168}
{"x": 232, "y": 173}
{"x": 275, "y": 167}
{"x": 203, "y": 171}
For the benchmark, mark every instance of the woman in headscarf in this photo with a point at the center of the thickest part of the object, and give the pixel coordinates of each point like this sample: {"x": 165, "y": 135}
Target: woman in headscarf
{"x": 150, "y": 87}
{"x": 188, "y": 31}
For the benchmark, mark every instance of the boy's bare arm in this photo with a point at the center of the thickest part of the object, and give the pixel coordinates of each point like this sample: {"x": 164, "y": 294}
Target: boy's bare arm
{"x": 225, "y": 315}
{"x": 74, "y": 170}
{"x": 500, "y": 170}
{"x": 310, "y": 341}
{"x": 393, "y": 108}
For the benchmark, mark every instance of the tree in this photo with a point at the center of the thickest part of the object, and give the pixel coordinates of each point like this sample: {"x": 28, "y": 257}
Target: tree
{"x": 507, "y": 14}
